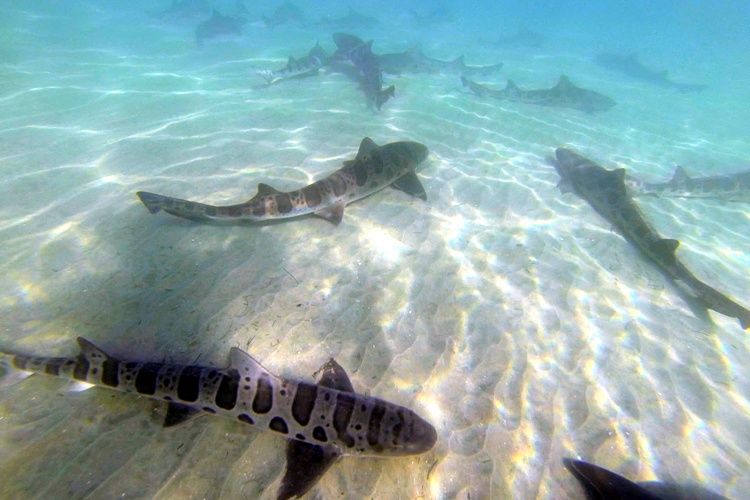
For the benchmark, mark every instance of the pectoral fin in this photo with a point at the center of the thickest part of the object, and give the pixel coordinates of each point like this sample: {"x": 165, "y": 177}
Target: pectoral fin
{"x": 333, "y": 214}
{"x": 178, "y": 413}
{"x": 305, "y": 465}
{"x": 409, "y": 184}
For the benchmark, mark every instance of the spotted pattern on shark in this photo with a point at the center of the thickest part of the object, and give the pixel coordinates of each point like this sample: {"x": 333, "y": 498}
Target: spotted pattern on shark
{"x": 374, "y": 168}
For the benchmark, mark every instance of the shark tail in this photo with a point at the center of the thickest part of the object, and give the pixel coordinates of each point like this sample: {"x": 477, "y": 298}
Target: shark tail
{"x": 465, "y": 81}
{"x": 744, "y": 320}
{"x": 152, "y": 201}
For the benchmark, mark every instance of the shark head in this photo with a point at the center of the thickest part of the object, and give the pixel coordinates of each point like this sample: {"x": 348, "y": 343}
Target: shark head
{"x": 416, "y": 436}
{"x": 407, "y": 153}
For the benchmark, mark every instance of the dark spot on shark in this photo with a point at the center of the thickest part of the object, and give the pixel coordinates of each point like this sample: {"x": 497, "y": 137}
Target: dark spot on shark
{"x": 259, "y": 209}
{"x": 312, "y": 195}
{"x": 211, "y": 211}
{"x": 82, "y": 368}
{"x": 145, "y": 381}
{"x": 360, "y": 172}
{"x": 283, "y": 203}
{"x": 208, "y": 409}
{"x": 278, "y": 424}
{"x": 263, "y": 400}
{"x": 373, "y": 426}
{"x": 304, "y": 402}
{"x": 111, "y": 372}
{"x": 341, "y": 416}
{"x": 244, "y": 417}
{"x": 300, "y": 437}
{"x": 226, "y": 395}
{"x": 320, "y": 434}
{"x": 187, "y": 386}
{"x": 338, "y": 184}
{"x": 234, "y": 211}
{"x": 53, "y": 367}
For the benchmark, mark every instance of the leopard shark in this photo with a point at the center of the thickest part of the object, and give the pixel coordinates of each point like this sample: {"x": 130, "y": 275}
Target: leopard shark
{"x": 606, "y": 192}
{"x": 322, "y": 421}
{"x": 730, "y": 187}
{"x": 298, "y": 68}
{"x": 354, "y": 58}
{"x": 599, "y": 483}
{"x": 630, "y": 66}
{"x": 415, "y": 61}
{"x": 563, "y": 95}
{"x": 374, "y": 168}
{"x": 218, "y": 25}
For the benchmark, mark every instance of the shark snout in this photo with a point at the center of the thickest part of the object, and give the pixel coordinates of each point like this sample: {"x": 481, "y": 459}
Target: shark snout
{"x": 423, "y": 437}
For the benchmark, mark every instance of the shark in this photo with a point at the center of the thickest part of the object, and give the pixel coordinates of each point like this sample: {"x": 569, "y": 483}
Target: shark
{"x": 180, "y": 11}
{"x": 351, "y": 20}
{"x": 630, "y": 66}
{"x": 219, "y": 25}
{"x": 599, "y": 483}
{"x": 374, "y": 168}
{"x": 415, "y": 61}
{"x": 285, "y": 13}
{"x": 524, "y": 37}
{"x": 563, "y": 95}
{"x": 606, "y": 192}
{"x": 354, "y": 58}
{"x": 321, "y": 421}
{"x": 730, "y": 187}
{"x": 295, "y": 69}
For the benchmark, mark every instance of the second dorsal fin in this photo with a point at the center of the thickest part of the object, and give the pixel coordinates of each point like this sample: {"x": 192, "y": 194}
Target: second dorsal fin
{"x": 264, "y": 190}
{"x": 178, "y": 413}
{"x": 246, "y": 364}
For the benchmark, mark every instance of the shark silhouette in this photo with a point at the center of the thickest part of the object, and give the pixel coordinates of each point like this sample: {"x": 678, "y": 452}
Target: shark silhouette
{"x": 563, "y": 95}
{"x": 606, "y": 192}
{"x": 630, "y": 66}
{"x": 729, "y": 187}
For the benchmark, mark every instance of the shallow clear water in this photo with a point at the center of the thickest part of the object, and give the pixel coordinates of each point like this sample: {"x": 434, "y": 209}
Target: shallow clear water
{"x": 508, "y": 314}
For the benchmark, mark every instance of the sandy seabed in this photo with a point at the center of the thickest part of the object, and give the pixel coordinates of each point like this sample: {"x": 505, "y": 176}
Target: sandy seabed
{"x": 510, "y": 315}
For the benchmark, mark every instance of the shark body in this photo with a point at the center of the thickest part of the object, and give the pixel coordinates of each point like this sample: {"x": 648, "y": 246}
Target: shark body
{"x": 599, "y": 483}
{"x": 295, "y": 69}
{"x": 730, "y": 187}
{"x": 182, "y": 11}
{"x": 351, "y": 20}
{"x": 219, "y": 25}
{"x": 283, "y": 14}
{"x": 630, "y": 66}
{"x": 606, "y": 192}
{"x": 563, "y": 95}
{"x": 524, "y": 37}
{"x": 322, "y": 421}
{"x": 374, "y": 168}
{"x": 415, "y": 61}
{"x": 354, "y": 58}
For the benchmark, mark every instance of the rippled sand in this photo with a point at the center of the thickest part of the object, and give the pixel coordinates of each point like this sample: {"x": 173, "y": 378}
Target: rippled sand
{"x": 508, "y": 314}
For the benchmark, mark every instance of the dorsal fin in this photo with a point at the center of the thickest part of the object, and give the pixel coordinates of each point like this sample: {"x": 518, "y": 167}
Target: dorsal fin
{"x": 265, "y": 189}
{"x": 679, "y": 176}
{"x": 598, "y": 482}
{"x": 619, "y": 174}
{"x": 366, "y": 147}
{"x": 666, "y": 248}
{"x": 244, "y": 363}
{"x": 511, "y": 85}
{"x": 459, "y": 60}
{"x": 178, "y": 413}
{"x": 290, "y": 62}
{"x": 563, "y": 82}
{"x": 90, "y": 351}
{"x": 334, "y": 376}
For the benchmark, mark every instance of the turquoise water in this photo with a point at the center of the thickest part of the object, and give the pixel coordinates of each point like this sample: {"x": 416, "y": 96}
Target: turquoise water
{"x": 508, "y": 314}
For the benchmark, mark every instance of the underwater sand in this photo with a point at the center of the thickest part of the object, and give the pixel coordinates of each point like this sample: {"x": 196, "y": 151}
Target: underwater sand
{"x": 510, "y": 315}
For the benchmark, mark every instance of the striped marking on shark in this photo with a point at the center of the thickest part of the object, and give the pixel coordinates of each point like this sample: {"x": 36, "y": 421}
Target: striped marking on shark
{"x": 374, "y": 168}
{"x": 606, "y": 192}
{"x": 322, "y": 421}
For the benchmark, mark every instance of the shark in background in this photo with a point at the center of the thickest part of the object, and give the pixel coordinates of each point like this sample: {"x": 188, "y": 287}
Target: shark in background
{"x": 321, "y": 421}
{"x": 219, "y": 25}
{"x": 727, "y": 187}
{"x": 599, "y": 483}
{"x": 349, "y": 21}
{"x": 523, "y": 38}
{"x": 374, "y": 168}
{"x": 563, "y": 95}
{"x": 295, "y": 69}
{"x": 415, "y": 61}
{"x": 354, "y": 58}
{"x": 285, "y": 13}
{"x": 182, "y": 11}
{"x": 630, "y": 66}
{"x": 605, "y": 191}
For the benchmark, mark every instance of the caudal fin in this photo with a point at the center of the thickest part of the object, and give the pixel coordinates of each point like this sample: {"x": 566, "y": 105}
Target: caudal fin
{"x": 152, "y": 201}
{"x": 384, "y": 95}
